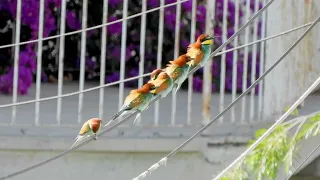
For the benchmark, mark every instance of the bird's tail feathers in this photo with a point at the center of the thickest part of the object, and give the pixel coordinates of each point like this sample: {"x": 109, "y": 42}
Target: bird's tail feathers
{"x": 77, "y": 139}
{"x": 137, "y": 116}
{"x": 122, "y": 112}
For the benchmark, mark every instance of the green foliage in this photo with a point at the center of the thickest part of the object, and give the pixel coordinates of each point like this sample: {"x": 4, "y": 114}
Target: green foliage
{"x": 295, "y": 112}
{"x": 264, "y": 160}
{"x": 311, "y": 127}
{"x": 279, "y": 148}
{"x": 236, "y": 173}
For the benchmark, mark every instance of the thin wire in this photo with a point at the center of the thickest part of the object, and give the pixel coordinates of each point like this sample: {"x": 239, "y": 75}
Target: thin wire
{"x": 86, "y": 141}
{"x": 279, "y": 121}
{"x": 93, "y": 27}
{"x": 172, "y": 153}
{"x": 285, "y": 115}
{"x": 148, "y": 74}
{"x": 131, "y": 115}
{"x": 234, "y": 35}
{"x": 305, "y": 160}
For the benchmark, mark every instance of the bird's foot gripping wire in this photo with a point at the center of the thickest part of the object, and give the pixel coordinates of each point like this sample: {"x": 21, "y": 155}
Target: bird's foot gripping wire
{"x": 95, "y": 137}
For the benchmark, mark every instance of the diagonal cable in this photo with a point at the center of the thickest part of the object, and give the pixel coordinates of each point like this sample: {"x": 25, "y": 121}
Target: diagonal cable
{"x": 305, "y": 160}
{"x": 172, "y": 153}
{"x": 147, "y": 74}
{"x": 122, "y": 121}
{"x": 94, "y": 27}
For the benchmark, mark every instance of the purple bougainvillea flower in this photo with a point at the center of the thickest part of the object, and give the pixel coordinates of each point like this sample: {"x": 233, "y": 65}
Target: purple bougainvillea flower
{"x": 187, "y": 6}
{"x": 228, "y": 84}
{"x": 116, "y": 28}
{"x": 115, "y": 76}
{"x": 153, "y": 3}
{"x": 72, "y": 20}
{"x": 114, "y": 3}
{"x": 197, "y": 84}
{"x": 201, "y": 14}
{"x": 170, "y": 19}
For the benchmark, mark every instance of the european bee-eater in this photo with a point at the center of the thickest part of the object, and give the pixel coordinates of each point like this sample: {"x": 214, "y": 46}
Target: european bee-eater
{"x": 91, "y": 127}
{"x": 178, "y": 70}
{"x": 154, "y": 74}
{"x": 199, "y": 51}
{"x": 163, "y": 84}
{"x": 137, "y": 100}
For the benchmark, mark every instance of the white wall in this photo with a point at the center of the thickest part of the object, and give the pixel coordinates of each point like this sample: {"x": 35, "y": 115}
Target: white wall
{"x": 301, "y": 67}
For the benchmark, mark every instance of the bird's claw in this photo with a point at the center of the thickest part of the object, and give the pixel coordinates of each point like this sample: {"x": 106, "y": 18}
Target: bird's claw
{"x": 95, "y": 137}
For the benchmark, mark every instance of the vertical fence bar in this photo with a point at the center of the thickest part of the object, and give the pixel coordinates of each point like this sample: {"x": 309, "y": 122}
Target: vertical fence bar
{"x": 103, "y": 57}
{"x": 223, "y": 58}
{"x": 176, "y": 54}
{"x": 123, "y": 52}
{"x": 235, "y": 61}
{"x": 83, "y": 57}
{"x": 262, "y": 56}
{"x": 39, "y": 63}
{"x": 207, "y": 69}
{"x": 61, "y": 57}
{"x": 190, "y": 78}
{"x": 245, "y": 62}
{"x": 16, "y": 62}
{"x": 159, "y": 56}
{"x": 254, "y": 60}
{"x": 142, "y": 47}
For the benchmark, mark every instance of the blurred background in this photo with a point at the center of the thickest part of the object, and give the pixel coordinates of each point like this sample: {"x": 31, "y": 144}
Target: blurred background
{"x": 47, "y": 58}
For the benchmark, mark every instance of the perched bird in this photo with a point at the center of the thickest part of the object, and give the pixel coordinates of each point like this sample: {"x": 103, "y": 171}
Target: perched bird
{"x": 163, "y": 83}
{"x": 138, "y": 100}
{"x": 199, "y": 51}
{"x": 91, "y": 127}
{"x": 178, "y": 70}
{"x": 154, "y": 74}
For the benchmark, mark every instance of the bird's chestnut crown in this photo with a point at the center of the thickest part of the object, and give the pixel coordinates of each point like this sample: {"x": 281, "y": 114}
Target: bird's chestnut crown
{"x": 205, "y": 39}
{"x": 96, "y": 119}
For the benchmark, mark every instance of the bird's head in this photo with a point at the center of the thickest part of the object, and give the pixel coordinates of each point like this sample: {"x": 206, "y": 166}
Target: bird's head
{"x": 97, "y": 120}
{"x": 155, "y": 73}
{"x": 148, "y": 87}
{"x": 205, "y": 39}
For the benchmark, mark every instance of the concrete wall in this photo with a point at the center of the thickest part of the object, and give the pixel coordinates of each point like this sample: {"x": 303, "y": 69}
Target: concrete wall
{"x": 301, "y": 67}
{"x": 112, "y": 159}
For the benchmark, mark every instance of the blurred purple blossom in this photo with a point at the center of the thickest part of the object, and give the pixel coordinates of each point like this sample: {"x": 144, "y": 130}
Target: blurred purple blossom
{"x": 115, "y": 28}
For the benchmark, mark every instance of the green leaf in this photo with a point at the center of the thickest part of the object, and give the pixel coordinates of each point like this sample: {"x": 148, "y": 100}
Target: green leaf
{"x": 310, "y": 128}
{"x": 295, "y": 112}
{"x": 236, "y": 173}
{"x": 266, "y": 158}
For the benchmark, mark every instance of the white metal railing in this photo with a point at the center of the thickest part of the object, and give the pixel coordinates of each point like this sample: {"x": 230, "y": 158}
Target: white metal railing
{"x": 157, "y": 116}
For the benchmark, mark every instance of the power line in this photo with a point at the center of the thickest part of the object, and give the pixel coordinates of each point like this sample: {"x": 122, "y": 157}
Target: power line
{"x": 93, "y": 27}
{"x": 86, "y": 141}
{"x": 300, "y": 165}
{"x": 285, "y": 115}
{"x": 111, "y": 127}
{"x": 142, "y": 175}
{"x": 148, "y": 74}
